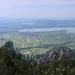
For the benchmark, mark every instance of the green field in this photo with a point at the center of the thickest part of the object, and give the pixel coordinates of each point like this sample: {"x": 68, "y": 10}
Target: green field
{"x": 38, "y": 42}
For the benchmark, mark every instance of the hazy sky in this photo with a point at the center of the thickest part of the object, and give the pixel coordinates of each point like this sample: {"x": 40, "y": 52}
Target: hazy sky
{"x": 48, "y": 9}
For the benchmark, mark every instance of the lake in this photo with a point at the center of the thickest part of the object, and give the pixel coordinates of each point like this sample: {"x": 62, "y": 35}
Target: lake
{"x": 69, "y": 29}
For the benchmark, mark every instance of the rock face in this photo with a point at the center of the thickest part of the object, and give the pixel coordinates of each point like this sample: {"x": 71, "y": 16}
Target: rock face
{"x": 9, "y": 46}
{"x": 56, "y": 54}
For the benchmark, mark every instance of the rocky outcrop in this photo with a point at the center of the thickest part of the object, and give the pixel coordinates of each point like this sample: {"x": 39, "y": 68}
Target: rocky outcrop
{"x": 56, "y": 54}
{"x": 9, "y": 46}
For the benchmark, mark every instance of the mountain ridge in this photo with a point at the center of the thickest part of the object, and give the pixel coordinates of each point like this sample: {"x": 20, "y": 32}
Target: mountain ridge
{"x": 56, "y": 53}
{"x": 11, "y": 63}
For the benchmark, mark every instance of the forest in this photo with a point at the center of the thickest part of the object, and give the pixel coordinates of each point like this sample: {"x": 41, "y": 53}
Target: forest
{"x": 11, "y": 63}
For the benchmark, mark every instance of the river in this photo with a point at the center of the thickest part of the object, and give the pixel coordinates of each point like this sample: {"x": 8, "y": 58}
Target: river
{"x": 69, "y": 29}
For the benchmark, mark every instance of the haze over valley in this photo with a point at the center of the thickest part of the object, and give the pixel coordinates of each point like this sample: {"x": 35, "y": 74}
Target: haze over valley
{"x": 12, "y": 25}
{"x": 37, "y": 36}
